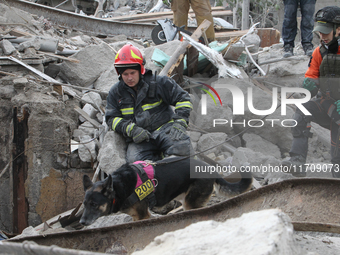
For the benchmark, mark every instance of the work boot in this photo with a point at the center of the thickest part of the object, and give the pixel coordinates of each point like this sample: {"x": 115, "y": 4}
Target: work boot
{"x": 308, "y": 48}
{"x": 288, "y": 51}
{"x": 296, "y": 165}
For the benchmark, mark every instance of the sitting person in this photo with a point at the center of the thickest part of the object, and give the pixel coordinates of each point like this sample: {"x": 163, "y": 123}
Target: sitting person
{"x": 139, "y": 108}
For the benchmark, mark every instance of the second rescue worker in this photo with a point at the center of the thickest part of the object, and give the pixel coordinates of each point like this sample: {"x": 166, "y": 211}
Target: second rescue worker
{"x": 323, "y": 76}
{"x": 202, "y": 9}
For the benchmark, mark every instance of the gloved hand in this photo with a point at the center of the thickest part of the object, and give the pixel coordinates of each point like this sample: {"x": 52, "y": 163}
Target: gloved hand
{"x": 337, "y": 104}
{"x": 311, "y": 85}
{"x": 178, "y": 130}
{"x": 137, "y": 134}
{"x": 167, "y": 2}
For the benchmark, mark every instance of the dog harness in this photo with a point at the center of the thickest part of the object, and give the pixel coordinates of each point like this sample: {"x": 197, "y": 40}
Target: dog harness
{"x": 145, "y": 185}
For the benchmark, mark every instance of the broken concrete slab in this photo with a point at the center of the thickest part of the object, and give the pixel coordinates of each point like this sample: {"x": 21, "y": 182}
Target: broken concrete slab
{"x": 90, "y": 110}
{"x": 93, "y": 98}
{"x": 88, "y": 128}
{"x": 113, "y": 152}
{"x": 107, "y": 79}
{"x": 256, "y": 162}
{"x": 87, "y": 149}
{"x": 7, "y": 47}
{"x": 252, "y": 39}
{"x": 267, "y": 232}
{"x": 257, "y": 143}
{"x": 94, "y": 60}
{"x": 210, "y": 140}
{"x": 79, "y": 41}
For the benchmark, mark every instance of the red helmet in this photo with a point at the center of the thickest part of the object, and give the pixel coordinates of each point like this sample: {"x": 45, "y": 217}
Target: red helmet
{"x": 129, "y": 55}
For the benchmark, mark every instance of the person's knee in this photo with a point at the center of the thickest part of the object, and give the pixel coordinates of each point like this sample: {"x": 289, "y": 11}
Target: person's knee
{"x": 301, "y": 128}
{"x": 180, "y": 148}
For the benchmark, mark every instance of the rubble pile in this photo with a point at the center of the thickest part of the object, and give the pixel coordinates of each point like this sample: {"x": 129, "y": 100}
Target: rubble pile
{"x": 54, "y": 82}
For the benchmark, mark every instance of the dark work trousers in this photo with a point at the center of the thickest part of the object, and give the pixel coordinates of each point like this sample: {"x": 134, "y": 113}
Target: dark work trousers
{"x": 289, "y": 26}
{"x": 319, "y": 108}
{"x": 159, "y": 146}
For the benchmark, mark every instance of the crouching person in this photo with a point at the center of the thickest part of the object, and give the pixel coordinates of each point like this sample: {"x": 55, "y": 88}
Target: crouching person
{"x": 323, "y": 76}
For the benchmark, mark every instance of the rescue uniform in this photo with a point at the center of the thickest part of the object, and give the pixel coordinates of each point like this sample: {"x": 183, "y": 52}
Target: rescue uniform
{"x": 202, "y": 11}
{"x": 150, "y": 109}
{"x": 325, "y": 68}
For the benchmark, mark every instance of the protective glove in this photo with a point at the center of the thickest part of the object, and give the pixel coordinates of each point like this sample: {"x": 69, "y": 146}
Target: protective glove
{"x": 337, "y": 104}
{"x": 178, "y": 130}
{"x": 167, "y": 2}
{"x": 137, "y": 134}
{"x": 311, "y": 85}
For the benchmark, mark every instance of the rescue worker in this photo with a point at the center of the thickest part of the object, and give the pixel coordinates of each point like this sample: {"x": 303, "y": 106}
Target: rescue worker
{"x": 202, "y": 9}
{"x": 323, "y": 76}
{"x": 139, "y": 108}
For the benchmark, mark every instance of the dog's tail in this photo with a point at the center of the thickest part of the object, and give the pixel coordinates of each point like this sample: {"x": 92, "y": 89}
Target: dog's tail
{"x": 228, "y": 189}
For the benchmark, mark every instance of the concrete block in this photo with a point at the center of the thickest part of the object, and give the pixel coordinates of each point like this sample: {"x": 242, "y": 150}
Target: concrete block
{"x": 7, "y": 47}
{"x": 267, "y": 232}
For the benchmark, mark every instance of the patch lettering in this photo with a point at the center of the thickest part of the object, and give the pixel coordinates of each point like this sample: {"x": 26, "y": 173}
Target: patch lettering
{"x": 144, "y": 189}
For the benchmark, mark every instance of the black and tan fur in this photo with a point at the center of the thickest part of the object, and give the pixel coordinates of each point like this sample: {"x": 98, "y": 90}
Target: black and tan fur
{"x": 174, "y": 182}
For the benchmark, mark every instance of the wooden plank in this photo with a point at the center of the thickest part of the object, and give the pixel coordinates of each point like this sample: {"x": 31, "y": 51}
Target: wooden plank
{"x": 167, "y": 15}
{"x": 179, "y": 53}
{"x": 16, "y": 32}
{"x": 262, "y": 86}
{"x": 87, "y": 117}
{"x": 316, "y": 227}
{"x": 60, "y": 57}
{"x": 162, "y": 15}
{"x": 228, "y": 35}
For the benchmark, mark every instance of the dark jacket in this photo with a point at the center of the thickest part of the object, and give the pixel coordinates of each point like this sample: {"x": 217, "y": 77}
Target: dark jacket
{"x": 150, "y": 108}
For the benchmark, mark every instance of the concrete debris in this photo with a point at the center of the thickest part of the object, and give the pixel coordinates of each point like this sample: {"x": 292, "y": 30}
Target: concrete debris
{"x": 266, "y": 232}
{"x": 258, "y": 161}
{"x": 85, "y": 72}
{"x": 7, "y": 47}
{"x": 113, "y": 152}
{"x": 257, "y": 143}
{"x": 87, "y": 149}
{"x": 53, "y": 87}
{"x": 225, "y": 69}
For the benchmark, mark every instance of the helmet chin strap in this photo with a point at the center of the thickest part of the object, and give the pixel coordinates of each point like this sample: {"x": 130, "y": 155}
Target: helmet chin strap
{"x": 333, "y": 45}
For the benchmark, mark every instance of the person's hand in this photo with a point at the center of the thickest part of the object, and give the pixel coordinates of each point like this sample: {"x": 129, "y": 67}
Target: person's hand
{"x": 178, "y": 130}
{"x": 311, "y": 85}
{"x": 139, "y": 134}
{"x": 167, "y": 2}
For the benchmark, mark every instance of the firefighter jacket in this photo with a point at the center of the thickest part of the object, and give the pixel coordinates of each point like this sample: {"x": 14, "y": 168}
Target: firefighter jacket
{"x": 150, "y": 107}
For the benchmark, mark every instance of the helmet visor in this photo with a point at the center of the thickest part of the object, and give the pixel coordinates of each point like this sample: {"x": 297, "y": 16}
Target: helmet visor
{"x": 323, "y": 27}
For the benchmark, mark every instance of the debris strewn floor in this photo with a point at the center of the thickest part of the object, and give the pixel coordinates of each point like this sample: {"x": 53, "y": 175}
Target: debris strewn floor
{"x": 53, "y": 86}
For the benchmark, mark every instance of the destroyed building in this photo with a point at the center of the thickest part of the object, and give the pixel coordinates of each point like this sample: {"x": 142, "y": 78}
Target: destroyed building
{"x": 54, "y": 80}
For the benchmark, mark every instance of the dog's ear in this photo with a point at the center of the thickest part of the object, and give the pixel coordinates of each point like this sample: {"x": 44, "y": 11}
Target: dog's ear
{"x": 108, "y": 190}
{"x": 87, "y": 182}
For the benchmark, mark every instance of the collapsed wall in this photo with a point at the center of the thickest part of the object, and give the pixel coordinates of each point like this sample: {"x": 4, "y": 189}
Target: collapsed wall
{"x": 44, "y": 177}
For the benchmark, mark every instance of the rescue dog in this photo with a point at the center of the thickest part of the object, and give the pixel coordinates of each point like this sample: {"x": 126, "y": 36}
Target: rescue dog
{"x": 171, "y": 181}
